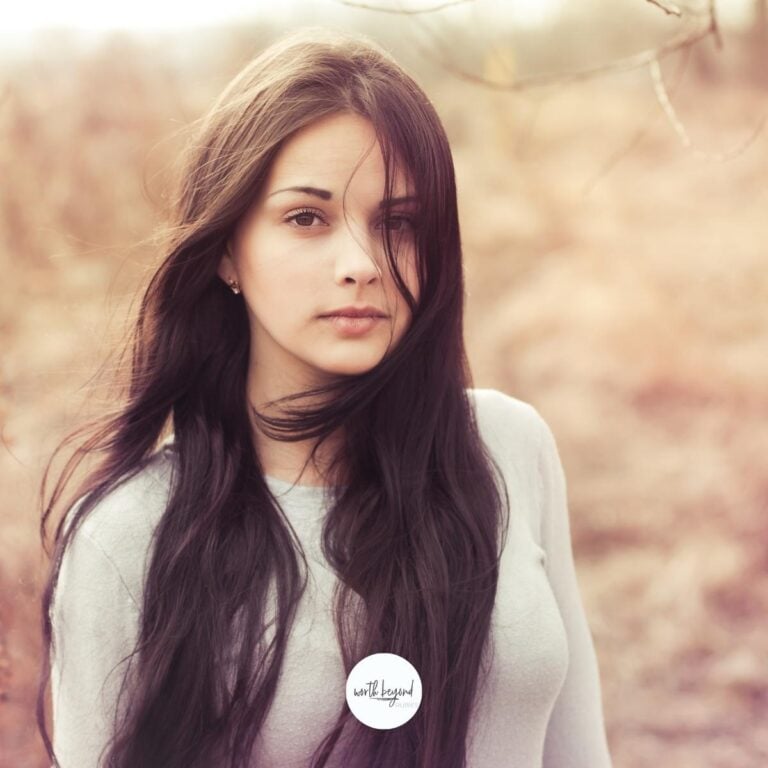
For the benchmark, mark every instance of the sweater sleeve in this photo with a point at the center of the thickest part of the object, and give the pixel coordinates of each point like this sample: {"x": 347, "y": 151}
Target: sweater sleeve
{"x": 575, "y": 735}
{"x": 94, "y": 626}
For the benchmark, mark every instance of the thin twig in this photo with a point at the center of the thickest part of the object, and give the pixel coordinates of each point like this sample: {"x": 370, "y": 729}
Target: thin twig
{"x": 668, "y": 8}
{"x": 652, "y": 117}
{"x": 715, "y": 25}
{"x": 404, "y": 11}
{"x": 663, "y": 98}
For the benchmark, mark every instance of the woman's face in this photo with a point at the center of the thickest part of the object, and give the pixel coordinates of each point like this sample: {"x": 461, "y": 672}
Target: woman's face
{"x": 297, "y": 258}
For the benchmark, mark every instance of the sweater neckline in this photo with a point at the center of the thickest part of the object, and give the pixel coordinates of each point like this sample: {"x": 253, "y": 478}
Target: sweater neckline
{"x": 285, "y": 486}
{"x": 275, "y": 484}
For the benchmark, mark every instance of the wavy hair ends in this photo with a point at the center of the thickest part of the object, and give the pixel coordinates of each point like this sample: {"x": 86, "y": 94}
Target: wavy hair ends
{"x": 418, "y": 476}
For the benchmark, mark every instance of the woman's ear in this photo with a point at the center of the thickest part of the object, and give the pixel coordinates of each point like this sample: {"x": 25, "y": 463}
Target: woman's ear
{"x": 226, "y": 268}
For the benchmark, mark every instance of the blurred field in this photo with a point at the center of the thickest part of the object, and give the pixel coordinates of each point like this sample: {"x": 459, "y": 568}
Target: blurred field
{"x": 616, "y": 281}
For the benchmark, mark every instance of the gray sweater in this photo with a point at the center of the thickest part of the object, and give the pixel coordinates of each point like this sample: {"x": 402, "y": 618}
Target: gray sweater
{"x": 539, "y": 708}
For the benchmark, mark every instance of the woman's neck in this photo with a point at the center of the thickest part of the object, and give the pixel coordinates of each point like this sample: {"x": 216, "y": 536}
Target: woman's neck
{"x": 280, "y": 459}
{"x": 292, "y": 461}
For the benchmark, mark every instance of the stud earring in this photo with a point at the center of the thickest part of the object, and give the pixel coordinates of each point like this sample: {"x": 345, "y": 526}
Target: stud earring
{"x": 234, "y": 285}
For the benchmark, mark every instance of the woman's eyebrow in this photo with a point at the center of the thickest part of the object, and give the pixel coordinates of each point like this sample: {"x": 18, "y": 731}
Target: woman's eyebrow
{"x": 326, "y": 194}
{"x": 391, "y": 201}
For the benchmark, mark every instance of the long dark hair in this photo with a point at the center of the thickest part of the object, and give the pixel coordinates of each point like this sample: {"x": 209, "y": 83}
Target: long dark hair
{"x": 413, "y": 533}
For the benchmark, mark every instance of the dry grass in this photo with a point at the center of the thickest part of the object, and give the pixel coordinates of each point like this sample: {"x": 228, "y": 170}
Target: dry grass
{"x": 629, "y": 307}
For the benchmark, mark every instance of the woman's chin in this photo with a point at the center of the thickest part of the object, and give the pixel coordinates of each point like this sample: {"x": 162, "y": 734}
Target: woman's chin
{"x": 350, "y": 364}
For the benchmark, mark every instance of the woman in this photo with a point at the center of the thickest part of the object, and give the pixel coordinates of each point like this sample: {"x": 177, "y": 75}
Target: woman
{"x": 265, "y": 424}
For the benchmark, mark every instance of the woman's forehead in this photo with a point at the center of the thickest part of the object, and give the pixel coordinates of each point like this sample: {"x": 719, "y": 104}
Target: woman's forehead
{"x": 332, "y": 152}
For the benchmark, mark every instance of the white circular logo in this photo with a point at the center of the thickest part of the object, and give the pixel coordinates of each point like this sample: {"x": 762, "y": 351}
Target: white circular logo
{"x": 383, "y": 690}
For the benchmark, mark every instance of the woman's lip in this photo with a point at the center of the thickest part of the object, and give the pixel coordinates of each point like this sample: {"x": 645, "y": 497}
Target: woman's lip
{"x": 341, "y": 314}
{"x": 351, "y": 325}
{"x": 355, "y": 314}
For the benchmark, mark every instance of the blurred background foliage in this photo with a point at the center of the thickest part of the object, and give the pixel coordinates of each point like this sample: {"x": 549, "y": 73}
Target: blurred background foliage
{"x": 616, "y": 276}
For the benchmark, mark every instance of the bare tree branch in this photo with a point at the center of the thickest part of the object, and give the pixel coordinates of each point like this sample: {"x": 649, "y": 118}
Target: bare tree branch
{"x": 663, "y": 98}
{"x": 642, "y": 59}
{"x": 653, "y": 115}
{"x": 715, "y": 25}
{"x": 651, "y": 58}
{"x": 404, "y": 11}
{"x": 668, "y": 8}
{"x": 636, "y": 61}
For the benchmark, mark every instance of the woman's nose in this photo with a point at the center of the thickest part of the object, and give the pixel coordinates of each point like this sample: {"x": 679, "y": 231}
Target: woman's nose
{"x": 356, "y": 257}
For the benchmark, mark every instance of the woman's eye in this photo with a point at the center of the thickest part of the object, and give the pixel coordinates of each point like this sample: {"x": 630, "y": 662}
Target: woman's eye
{"x": 398, "y": 223}
{"x": 303, "y": 219}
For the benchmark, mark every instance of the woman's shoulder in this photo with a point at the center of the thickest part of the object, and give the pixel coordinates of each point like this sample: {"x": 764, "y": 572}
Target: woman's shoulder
{"x": 134, "y": 498}
{"x": 502, "y": 419}
{"x": 123, "y": 520}
{"x": 517, "y": 436}
{"x": 512, "y": 430}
